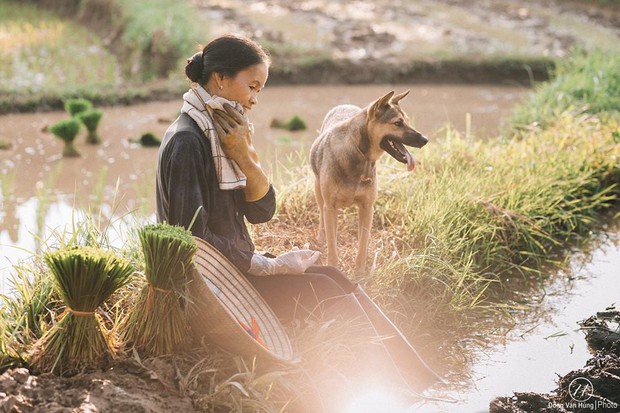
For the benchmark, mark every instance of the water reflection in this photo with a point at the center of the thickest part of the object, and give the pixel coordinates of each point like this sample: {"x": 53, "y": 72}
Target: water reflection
{"x": 545, "y": 341}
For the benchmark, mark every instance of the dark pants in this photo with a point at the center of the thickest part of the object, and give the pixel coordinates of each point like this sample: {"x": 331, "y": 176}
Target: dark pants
{"x": 295, "y": 296}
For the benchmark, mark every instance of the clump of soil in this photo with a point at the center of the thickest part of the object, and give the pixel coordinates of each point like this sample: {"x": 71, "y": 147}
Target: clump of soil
{"x": 595, "y": 387}
{"x": 128, "y": 386}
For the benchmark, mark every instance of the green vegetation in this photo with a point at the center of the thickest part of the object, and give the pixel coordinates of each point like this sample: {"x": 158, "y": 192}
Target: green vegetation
{"x": 45, "y": 56}
{"x": 26, "y": 314}
{"x": 163, "y": 33}
{"x": 91, "y": 118}
{"x": 4, "y": 144}
{"x": 294, "y": 123}
{"x": 84, "y": 277}
{"x": 156, "y": 325}
{"x": 67, "y": 130}
{"x": 147, "y": 139}
{"x": 82, "y": 110}
{"x": 587, "y": 83}
{"x": 77, "y": 106}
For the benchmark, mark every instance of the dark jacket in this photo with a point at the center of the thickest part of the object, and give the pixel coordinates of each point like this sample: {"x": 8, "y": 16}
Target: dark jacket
{"x": 186, "y": 180}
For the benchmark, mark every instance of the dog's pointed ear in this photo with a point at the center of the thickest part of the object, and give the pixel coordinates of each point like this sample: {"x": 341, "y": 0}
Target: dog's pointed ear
{"x": 398, "y": 98}
{"x": 380, "y": 104}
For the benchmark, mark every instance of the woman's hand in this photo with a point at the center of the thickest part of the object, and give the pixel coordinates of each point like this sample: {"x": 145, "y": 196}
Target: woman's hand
{"x": 292, "y": 262}
{"x": 236, "y": 138}
{"x": 234, "y": 132}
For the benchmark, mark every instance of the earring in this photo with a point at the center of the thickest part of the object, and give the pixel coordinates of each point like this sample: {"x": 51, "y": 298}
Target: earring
{"x": 221, "y": 87}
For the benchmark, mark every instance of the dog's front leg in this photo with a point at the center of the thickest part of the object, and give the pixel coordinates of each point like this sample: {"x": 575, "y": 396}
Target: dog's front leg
{"x": 331, "y": 221}
{"x": 365, "y": 212}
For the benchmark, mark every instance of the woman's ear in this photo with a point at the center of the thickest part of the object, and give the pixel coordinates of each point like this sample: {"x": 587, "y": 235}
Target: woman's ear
{"x": 219, "y": 79}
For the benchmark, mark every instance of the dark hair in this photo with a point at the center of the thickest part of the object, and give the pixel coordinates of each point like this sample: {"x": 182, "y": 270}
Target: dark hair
{"x": 227, "y": 55}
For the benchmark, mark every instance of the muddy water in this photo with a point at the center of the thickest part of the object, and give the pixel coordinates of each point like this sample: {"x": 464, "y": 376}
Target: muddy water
{"x": 42, "y": 191}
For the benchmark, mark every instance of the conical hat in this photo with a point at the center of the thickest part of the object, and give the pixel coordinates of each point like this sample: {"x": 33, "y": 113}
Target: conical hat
{"x": 227, "y": 311}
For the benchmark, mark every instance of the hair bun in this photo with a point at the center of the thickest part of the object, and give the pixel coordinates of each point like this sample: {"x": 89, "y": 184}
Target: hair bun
{"x": 196, "y": 58}
{"x": 193, "y": 69}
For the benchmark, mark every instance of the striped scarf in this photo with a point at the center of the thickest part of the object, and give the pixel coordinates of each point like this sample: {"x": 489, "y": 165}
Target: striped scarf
{"x": 199, "y": 105}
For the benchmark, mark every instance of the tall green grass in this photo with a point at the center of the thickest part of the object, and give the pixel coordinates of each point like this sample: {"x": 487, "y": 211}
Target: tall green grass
{"x": 588, "y": 82}
{"x": 162, "y": 32}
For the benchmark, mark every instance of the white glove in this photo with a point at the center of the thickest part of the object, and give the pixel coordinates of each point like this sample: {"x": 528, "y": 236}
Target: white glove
{"x": 292, "y": 262}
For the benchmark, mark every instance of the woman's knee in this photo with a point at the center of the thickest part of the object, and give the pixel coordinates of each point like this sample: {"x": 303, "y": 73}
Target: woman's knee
{"x": 335, "y": 274}
{"x": 323, "y": 287}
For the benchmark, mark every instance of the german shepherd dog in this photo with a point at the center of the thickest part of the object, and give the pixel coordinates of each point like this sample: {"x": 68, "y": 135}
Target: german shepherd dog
{"x": 343, "y": 159}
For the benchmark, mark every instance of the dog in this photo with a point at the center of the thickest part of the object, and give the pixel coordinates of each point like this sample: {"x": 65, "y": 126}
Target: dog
{"x": 343, "y": 159}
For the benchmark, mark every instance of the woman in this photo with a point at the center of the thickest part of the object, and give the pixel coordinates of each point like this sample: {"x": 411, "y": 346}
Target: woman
{"x": 209, "y": 180}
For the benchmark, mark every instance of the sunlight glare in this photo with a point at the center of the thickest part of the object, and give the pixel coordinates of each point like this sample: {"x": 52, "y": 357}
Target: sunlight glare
{"x": 376, "y": 401}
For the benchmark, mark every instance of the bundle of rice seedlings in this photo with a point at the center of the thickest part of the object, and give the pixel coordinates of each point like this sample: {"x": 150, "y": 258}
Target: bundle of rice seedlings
{"x": 156, "y": 324}
{"x": 84, "y": 277}
{"x": 67, "y": 130}
{"x": 294, "y": 123}
{"x": 147, "y": 139}
{"x": 77, "y": 106}
{"x": 90, "y": 118}
{"x": 5, "y": 144}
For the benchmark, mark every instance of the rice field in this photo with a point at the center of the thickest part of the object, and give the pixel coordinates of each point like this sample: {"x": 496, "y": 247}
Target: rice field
{"x": 476, "y": 213}
{"x": 43, "y": 54}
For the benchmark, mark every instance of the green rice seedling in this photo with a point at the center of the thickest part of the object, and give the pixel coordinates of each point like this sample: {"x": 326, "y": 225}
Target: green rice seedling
{"x": 67, "y": 130}
{"x": 26, "y": 311}
{"x": 294, "y": 123}
{"x": 76, "y": 106}
{"x": 147, "y": 139}
{"x": 91, "y": 118}
{"x": 156, "y": 323}
{"x": 84, "y": 277}
{"x": 5, "y": 144}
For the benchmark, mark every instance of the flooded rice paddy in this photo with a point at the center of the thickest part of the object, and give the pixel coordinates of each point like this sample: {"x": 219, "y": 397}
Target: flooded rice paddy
{"x": 43, "y": 192}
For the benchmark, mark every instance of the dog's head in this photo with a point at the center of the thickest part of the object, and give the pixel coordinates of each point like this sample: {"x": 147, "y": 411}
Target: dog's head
{"x": 390, "y": 129}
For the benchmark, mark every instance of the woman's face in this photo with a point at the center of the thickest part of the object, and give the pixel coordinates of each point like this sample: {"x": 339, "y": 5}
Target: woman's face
{"x": 245, "y": 86}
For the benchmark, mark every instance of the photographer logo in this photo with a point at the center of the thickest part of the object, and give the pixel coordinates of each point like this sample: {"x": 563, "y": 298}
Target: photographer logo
{"x": 580, "y": 389}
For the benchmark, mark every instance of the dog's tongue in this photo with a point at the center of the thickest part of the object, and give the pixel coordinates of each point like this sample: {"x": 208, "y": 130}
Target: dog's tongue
{"x": 410, "y": 161}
